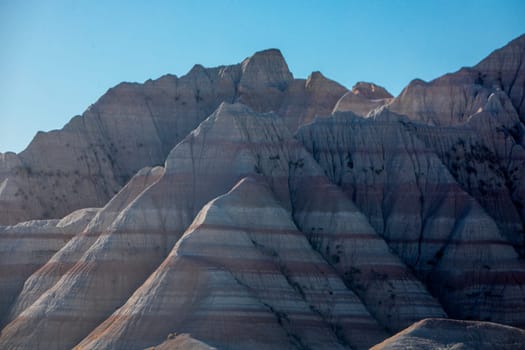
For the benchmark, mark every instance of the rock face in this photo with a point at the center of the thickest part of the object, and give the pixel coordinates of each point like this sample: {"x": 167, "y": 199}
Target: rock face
{"x": 136, "y": 125}
{"x": 484, "y": 151}
{"x": 415, "y": 204}
{"x": 49, "y": 274}
{"x": 452, "y": 334}
{"x": 252, "y": 281}
{"x": 243, "y": 208}
{"x": 363, "y": 99}
{"x": 306, "y": 99}
{"x": 249, "y": 144}
{"x": 27, "y": 246}
{"x": 504, "y": 69}
{"x": 370, "y": 91}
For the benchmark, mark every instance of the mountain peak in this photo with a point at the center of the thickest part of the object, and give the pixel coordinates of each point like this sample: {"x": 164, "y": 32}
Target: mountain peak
{"x": 269, "y": 52}
{"x": 268, "y": 68}
{"x": 370, "y": 90}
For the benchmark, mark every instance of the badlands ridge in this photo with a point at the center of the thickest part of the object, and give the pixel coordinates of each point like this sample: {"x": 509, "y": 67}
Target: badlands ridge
{"x": 238, "y": 207}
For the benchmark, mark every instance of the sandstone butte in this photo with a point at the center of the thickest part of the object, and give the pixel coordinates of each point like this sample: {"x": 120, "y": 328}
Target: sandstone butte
{"x": 238, "y": 207}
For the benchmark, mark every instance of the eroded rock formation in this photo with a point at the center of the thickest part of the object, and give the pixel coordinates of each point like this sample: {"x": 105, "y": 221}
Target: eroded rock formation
{"x": 243, "y": 208}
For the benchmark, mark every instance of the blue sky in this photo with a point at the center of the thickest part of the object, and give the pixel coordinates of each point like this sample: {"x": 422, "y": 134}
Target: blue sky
{"x": 58, "y": 57}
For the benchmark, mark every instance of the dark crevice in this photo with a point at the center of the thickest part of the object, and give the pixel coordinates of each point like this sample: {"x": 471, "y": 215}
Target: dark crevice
{"x": 286, "y": 273}
{"x": 282, "y": 319}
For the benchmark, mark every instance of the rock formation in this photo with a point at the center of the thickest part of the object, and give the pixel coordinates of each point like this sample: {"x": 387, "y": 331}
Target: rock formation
{"x": 363, "y": 99}
{"x": 432, "y": 334}
{"x": 136, "y": 125}
{"x": 242, "y": 208}
{"x": 28, "y": 245}
{"x": 415, "y": 204}
{"x": 484, "y": 151}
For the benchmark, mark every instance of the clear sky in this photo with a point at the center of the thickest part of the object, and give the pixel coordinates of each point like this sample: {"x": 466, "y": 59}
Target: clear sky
{"x": 58, "y": 57}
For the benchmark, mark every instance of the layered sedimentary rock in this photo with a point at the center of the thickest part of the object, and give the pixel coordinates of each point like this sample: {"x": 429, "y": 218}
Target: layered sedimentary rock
{"x": 136, "y": 125}
{"x": 378, "y": 213}
{"x": 484, "y": 149}
{"x": 66, "y": 258}
{"x": 232, "y": 143}
{"x": 242, "y": 264}
{"x": 452, "y": 334}
{"x": 412, "y": 200}
{"x": 488, "y": 164}
{"x": 27, "y": 246}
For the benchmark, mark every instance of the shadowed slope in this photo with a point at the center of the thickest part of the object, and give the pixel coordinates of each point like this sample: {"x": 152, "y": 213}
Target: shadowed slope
{"x": 412, "y": 200}
{"x": 484, "y": 149}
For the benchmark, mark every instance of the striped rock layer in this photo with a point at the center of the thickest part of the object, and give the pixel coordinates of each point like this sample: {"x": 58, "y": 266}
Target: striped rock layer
{"x": 136, "y": 125}
{"x": 237, "y": 212}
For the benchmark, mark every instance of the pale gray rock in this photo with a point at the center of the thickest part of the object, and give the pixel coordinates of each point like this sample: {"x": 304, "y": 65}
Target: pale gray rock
{"x": 232, "y": 143}
{"x": 265, "y": 78}
{"x": 434, "y": 334}
{"x": 27, "y": 246}
{"x": 242, "y": 263}
{"x": 62, "y": 261}
{"x": 250, "y": 238}
{"x": 307, "y": 99}
{"x": 136, "y": 125}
